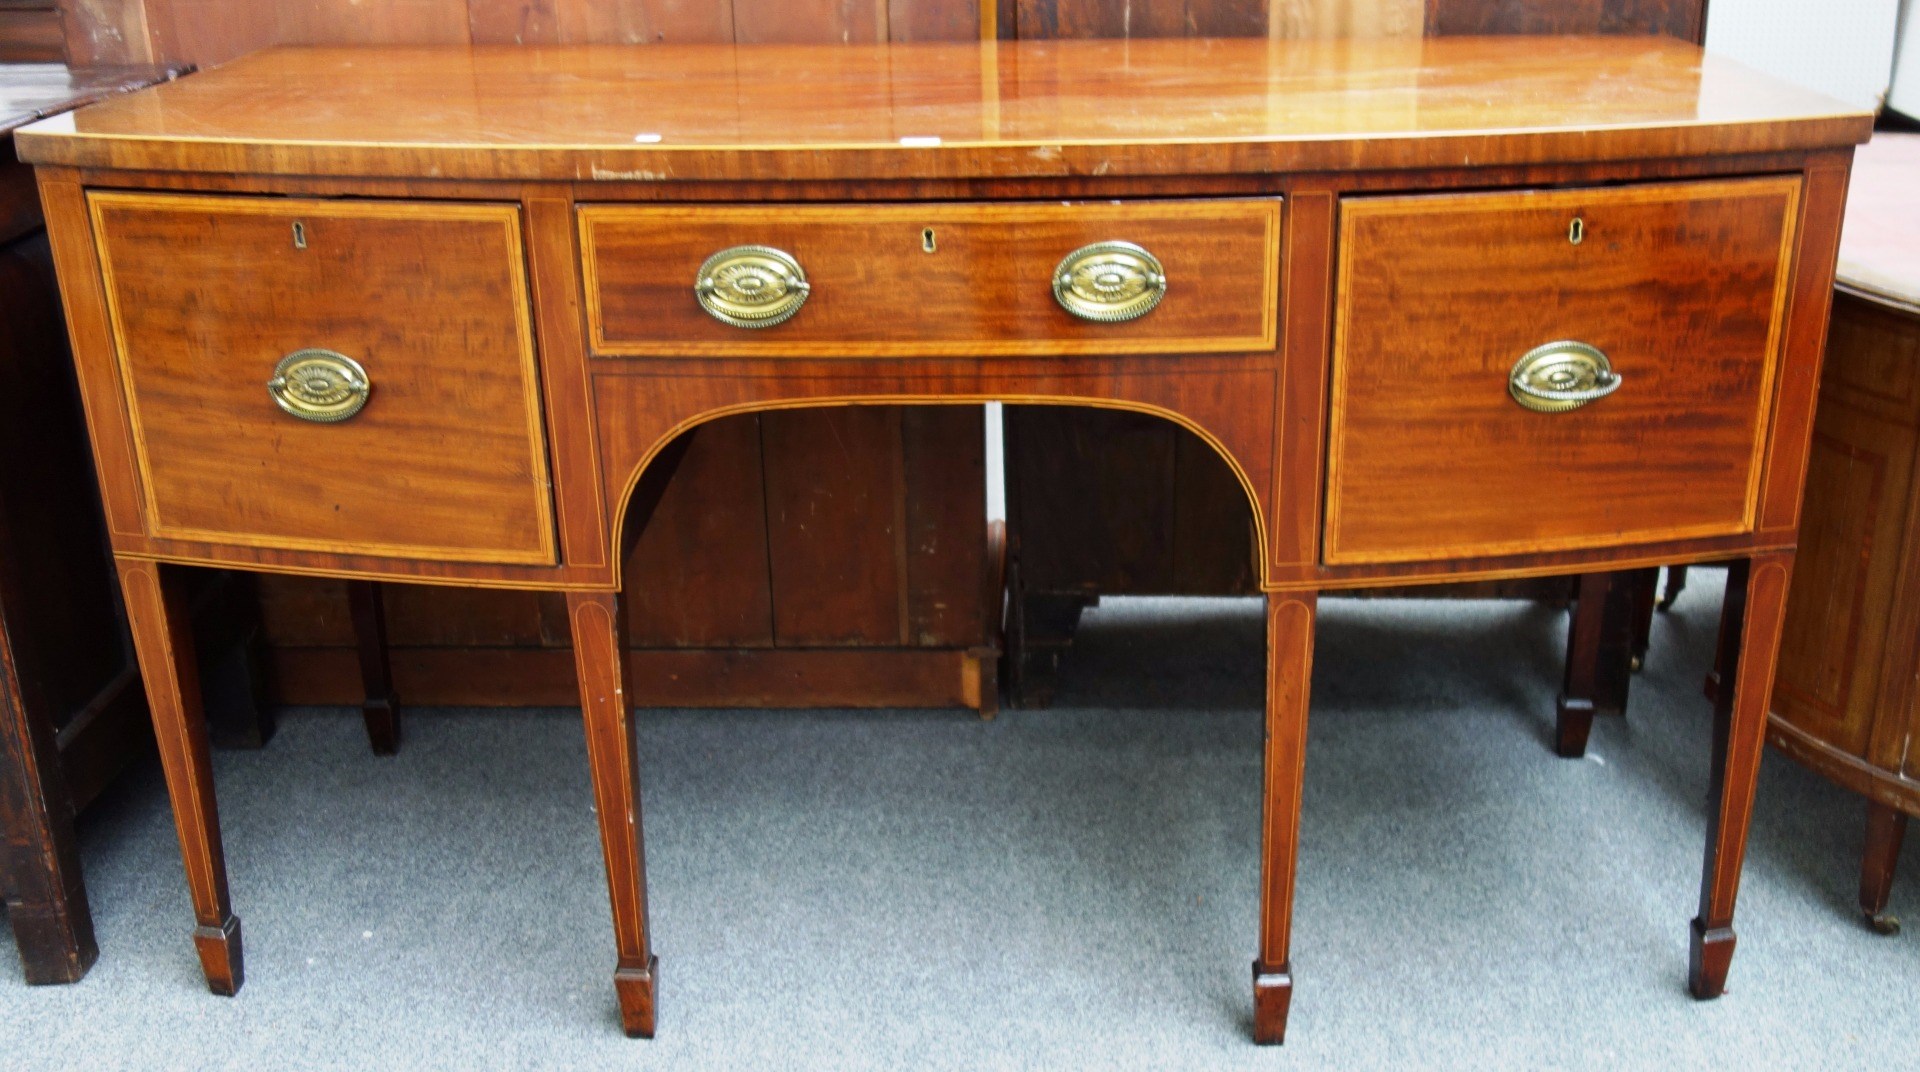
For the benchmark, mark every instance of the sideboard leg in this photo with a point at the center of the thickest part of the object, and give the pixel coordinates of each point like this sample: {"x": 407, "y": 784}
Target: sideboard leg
{"x": 1290, "y": 617}
{"x": 1886, "y": 829}
{"x": 160, "y": 617}
{"x": 1750, "y": 626}
{"x": 381, "y": 708}
{"x": 612, "y": 755}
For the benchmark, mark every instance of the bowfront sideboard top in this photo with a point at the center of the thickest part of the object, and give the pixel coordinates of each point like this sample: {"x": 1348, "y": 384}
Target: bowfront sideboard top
{"x": 1457, "y": 308}
{"x": 942, "y": 111}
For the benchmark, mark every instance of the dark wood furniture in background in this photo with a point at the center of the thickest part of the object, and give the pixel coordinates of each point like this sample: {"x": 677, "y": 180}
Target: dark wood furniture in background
{"x": 72, "y": 714}
{"x": 1845, "y": 702}
{"x": 1675, "y": 211}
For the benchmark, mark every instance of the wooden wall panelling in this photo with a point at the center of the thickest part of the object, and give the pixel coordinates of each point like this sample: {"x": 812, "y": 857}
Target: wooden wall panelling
{"x": 1142, "y": 18}
{"x": 1090, "y": 498}
{"x": 633, "y": 22}
{"x": 934, "y": 20}
{"x": 835, "y": 522}
{"x": 943, "y": 470}
{"x": 1213, "y": 536}
{"x": 387, "y": 22}
{"x": 809, "y": 21}
{"x": 1346, "y": 18}
{"x": 1685, "y": 19}
{"x": 698, "y": 575}
{"x": 30, "y": 32}
{"x": 213, "y": 31}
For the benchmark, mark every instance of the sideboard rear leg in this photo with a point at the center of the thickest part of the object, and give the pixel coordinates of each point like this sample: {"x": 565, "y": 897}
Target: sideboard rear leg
{"x": 381, "y": 708}
{"x": 160, "y": 617}
{"x": 1750, "y": 627}
{"x": 1290, "y": 617}
{"x": 612, "y": 755}
{"x": 1886, "y": 829}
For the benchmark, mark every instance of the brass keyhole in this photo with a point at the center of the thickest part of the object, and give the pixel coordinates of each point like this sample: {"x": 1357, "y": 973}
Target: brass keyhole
{"x": 1577, "y": 231}
{"x": 926, "y": 241}
{"x": 299, "y": 234}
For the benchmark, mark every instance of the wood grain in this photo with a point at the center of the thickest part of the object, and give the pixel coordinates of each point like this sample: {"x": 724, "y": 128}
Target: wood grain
{"x": 1684, "y": 19}
{"x": 1290, "y": 630}
{"x": 835, "y": 517}
{"x": 608, "y": 714}
{"x": 448, "y": 459}
{"x": 208, "y": 32}
{"x": 1749, "y": 643}
{"x": 1843, "y": 699}
{"x": 1199, "y": 106}
{"x": 985, "y": 289}
{"x": 1683, "y": 287}
{"x": 161, "y": 621}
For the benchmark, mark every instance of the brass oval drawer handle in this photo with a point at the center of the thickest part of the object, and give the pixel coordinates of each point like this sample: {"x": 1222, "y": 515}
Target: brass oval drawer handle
{"x": 752, "y": 286}
{"x": 1109, "y": 281}
{"x": 319, "y": 385}
{"x": 1561, "y": 376}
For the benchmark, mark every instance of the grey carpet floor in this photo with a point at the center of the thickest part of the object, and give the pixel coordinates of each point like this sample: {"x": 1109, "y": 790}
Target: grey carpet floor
{"x": 1059, "y": 889}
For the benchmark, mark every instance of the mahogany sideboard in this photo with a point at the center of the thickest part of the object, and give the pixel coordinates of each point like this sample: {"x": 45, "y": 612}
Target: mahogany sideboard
{"x": 1449, "y": 309}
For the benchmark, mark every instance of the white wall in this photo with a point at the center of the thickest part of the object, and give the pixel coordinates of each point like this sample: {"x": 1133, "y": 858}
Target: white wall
{"x": 1906, "y": 65}
{"x": 1843, "y": 48}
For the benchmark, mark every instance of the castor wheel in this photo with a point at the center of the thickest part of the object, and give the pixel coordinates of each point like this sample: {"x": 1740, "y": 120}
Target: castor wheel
{"x": 1884, "y": 923}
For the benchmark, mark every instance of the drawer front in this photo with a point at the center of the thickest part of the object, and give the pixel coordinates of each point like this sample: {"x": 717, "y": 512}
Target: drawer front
{"x": 1680, "y": 286}
{"x": 934, "y": 279}
{"x": 446, "y": 458}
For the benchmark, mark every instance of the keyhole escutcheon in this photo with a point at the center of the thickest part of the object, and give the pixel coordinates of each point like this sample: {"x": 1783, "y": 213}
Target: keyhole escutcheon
{"x": 1577, "y": 231}
{"x": 927, "y": 244}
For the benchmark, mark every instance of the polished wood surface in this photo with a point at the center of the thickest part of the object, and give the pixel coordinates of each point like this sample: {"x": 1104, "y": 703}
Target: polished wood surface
{"x": 1290, "y": 618}
{"x": 1750, "y": 624}
{"x": 1681, "y": 286}
{"x": 616, "y": 779}
{"x": 447, "y": 460}
{"x": 985, "y": 287}
{"x": 1647, "y": 126}
{"x": 1219, "y": 106}
{"x": 159, "y": 615}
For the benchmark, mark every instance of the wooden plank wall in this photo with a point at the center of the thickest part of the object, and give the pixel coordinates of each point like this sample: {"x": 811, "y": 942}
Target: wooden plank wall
{"x": 211, "y": 31}
{"x": 30, "y": 32}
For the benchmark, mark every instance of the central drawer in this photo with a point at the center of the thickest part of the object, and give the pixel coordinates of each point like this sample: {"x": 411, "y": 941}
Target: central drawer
{"x": 959, "y": 279}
